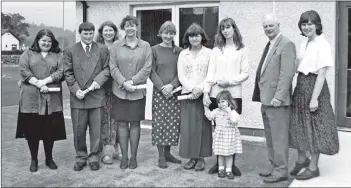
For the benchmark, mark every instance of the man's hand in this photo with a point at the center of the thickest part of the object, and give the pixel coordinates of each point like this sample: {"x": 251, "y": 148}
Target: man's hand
{"x": 128, "y": 85}
{"x": 206, "y": 100}
{"x": 44, "y": 89}
{"x": 80, "y": 94}
{"x": 275, "y": 102}
{"x": 94, "y": 86}
{"x": 223, "y": 83}
{"x": 313, "y": 105}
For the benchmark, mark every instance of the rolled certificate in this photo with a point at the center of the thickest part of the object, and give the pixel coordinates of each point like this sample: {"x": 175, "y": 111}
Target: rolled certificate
{"x": 176, "y": 89}
{"x": 184, "y": 97}
{"x": 143, "y": 86}
{"x": 54, "y": 89}
{"x": 88, "y": 90}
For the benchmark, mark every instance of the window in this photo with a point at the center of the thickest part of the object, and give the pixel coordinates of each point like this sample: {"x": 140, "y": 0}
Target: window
{"x": 152, "y": 17}
{"x": 14, "y": 46}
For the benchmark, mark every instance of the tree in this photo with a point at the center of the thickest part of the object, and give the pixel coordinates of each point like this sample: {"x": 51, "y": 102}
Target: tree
{"x": 16, "y": 24}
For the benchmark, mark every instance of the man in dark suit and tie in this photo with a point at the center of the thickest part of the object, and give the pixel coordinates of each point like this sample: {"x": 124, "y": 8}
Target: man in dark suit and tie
{"x": 86, "y": 70}
{"x": 273, "y": 88}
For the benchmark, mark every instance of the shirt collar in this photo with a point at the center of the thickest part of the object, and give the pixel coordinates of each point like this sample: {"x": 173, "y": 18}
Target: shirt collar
{"x": 124, "y": 42}
{"x": 84, "y": 45}
{"x": 275, "y": 39}
{"x": 187, "y": 51}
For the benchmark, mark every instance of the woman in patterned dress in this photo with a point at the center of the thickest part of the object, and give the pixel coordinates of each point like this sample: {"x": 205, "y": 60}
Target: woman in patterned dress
{"x": 107, "y": 34}
{"x": 195, "y": 129}
{"x": 313, "y": 126}
{"x": 165, "y": 106}
{"x": 226, "y": 138}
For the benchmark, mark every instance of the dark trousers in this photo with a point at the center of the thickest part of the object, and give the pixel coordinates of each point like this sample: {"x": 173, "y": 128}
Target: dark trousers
{"x": 276, "y": 121}
{"x": 81, "y": 118}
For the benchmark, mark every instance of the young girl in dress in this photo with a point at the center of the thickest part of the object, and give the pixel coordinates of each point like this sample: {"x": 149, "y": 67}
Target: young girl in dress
{"x": 226, "y": 138}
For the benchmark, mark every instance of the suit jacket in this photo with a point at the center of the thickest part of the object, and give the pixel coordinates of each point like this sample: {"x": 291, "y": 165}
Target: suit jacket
{"x": 277, "y": 74}
{"x": 80, "y": 72}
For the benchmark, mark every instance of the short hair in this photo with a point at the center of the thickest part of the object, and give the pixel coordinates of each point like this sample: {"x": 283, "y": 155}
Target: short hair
{"x": 225, "y": 95}
{"x": 54, "y": 43}
{"x": 220, "y": 40}
{"x": 100, "y": 38}
{"x": 168, "y": 26}
{"x": 271, "y": 17}
{"x": 313, "y": 16}
{"x": 193, "y": 30}
{"x": 86, "y": 26}
{"x": 129, "y": 19}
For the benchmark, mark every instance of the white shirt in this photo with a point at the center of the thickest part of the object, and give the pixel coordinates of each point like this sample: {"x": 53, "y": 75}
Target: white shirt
{"x": 84, "y": 46}
{"x": 231, "y": 65}
{"x": 273, "y": 41}
{"x": 192, "y": 71}
{"x": 314, "y": 55}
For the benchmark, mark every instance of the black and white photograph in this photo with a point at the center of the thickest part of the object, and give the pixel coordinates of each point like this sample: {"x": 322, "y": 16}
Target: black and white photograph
{"x": 175, "y": 93}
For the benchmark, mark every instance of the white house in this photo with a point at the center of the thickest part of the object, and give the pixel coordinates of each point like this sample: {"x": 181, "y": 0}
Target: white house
{"x": 335, "y": 15}
{"x": 9, "y": 41}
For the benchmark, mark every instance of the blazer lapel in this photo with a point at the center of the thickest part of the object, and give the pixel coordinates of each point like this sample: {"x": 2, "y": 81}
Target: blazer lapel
{"x": 271, "y": 53}
{"x": 82, "y": 56}
{"x": 92, "y": 62}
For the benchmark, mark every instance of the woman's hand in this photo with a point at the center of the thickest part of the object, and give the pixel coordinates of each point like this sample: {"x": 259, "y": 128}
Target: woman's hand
{"x": 313, "y": 105}
{"x": 167, "y": 90}
{"x": 40, "y": 83}
{"x": 44, "y": 89}
{"x": 223, "y": 83}
{"x": 206, "y": 100}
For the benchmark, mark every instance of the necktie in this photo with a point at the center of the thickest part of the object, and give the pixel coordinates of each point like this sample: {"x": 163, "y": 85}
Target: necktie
{"x": 259, "y": 69}
{"x": 87, "y": 50}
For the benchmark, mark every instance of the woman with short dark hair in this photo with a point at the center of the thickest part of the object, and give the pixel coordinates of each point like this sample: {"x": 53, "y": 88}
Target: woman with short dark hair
{"x": 40, "y": 115}
{"x": 195, "y": 128}
{"x": 313, "y": 126}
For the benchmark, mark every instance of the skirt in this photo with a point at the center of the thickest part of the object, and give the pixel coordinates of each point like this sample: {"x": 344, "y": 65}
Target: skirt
{"x": 226, "y": 140}
{"x": 166, "y": 116}
{"x": 195, "y": 130}
{"x": 312, "y": 131}
{"x": 128, "y": 110}
{"x": 41, "y": 127}
{"x": 109, "y": 134}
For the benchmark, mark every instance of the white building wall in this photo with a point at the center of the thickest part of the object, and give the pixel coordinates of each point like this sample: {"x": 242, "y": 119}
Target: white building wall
{"x": 248, "y": 16}
{"x": 7, "y": 39}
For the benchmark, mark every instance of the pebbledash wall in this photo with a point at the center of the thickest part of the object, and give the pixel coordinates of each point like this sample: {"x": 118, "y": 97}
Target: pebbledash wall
{"x": 248, "y": 16}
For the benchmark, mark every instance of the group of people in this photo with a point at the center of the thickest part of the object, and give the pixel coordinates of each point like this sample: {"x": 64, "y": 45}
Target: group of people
{"x": 102, "y": 77}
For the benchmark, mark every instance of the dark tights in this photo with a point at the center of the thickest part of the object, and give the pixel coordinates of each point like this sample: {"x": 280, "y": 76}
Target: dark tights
{"x": 34, "y": 146}
{"x": 126, "y": 134}
{"x": 163, "y": 151}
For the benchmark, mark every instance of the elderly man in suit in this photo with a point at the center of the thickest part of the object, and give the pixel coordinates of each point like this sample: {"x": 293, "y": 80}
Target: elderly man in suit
{"x": 273, "y": 88}
{"x": 86, "y": 70}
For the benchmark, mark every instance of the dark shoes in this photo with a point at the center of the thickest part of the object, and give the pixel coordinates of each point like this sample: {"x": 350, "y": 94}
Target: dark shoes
{"x": 133, "y": 163}
{"x": 200, "y": 165}
{"x": 221, "y": 173}
{"x": 78, "y": 166}
{"x": 190, "y": 164}
{"x": 33, "y": 166}
{"x": 274, "y": 179}
{"x": 265, "y": 174}
{"x": 299, "y": 166}
{"x": 124, "y": 163}
{"x": 162, "y": 163}
{"x": 307, "y": 174}
{"x": 235, "y": 170}
{"x": 229, "y": 175}
{"x": 94, "y": 166}
{"x": 51, "y": 164}
{"x": 170, "y": 158}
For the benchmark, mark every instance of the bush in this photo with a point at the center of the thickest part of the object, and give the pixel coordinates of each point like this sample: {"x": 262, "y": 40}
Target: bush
{"x": 10, "y": 59}
{"x": 13, "y": 52}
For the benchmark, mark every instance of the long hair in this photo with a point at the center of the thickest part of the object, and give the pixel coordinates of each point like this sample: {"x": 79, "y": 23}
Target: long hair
{"x": 225, "y": 95}
{"x": 168, "y": 27}
{"x": 193, "y": 30}
{"x": 100, "y": 38}
{"x": 220, "y": 40}
{"x": 54, "y": 43}
{"x": 313, "y": 16}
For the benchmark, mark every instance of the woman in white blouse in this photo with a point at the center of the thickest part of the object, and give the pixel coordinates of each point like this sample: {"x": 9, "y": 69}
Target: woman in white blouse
{"x": 313, "y": 127}
{"x": 228, "y": 68}
{"x": 196, "y": 134}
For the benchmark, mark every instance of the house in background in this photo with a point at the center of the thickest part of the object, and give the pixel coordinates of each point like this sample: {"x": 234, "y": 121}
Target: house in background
{"x": 9, "y": 41}
{"x": 336, "y": 20}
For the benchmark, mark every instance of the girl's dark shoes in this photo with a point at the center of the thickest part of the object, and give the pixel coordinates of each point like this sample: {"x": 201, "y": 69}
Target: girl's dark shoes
{"x": 170, "y": 158}
{"x": 221, "y": 173}
{"x": 307, "y": 174}
{"x": 51, "y": 164}
{"x": 162, "y": 163}
{"x": 33, "y": 166}
{"x": 229, "y": 175}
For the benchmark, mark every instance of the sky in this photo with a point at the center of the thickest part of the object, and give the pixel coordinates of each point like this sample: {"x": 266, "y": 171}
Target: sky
{"x": 58, "y": 14}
